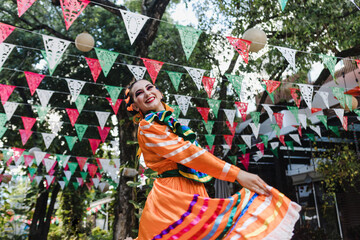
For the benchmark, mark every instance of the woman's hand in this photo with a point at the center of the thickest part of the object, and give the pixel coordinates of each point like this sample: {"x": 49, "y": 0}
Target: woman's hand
{"x": 252, "y": 182}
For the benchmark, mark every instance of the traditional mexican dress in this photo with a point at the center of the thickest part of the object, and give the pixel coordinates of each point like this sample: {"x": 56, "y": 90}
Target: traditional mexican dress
{"x": 180, "y": 208}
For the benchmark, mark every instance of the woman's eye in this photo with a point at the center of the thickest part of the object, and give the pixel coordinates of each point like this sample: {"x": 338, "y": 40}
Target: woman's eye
{"x": 137, "y": 94}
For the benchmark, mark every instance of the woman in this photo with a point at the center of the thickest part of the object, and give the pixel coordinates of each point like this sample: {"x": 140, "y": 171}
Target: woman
{"x": 178, "y": 206}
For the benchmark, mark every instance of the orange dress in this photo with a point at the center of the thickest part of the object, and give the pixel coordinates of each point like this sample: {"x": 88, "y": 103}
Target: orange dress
{"x": 179, "y": 208}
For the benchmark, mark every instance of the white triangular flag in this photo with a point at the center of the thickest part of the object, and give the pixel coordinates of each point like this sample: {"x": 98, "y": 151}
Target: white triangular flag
{"x": 67, "y": 175}
{"x": 134, "y": 22}
{"x": 230, "y": 114}
{"x": 48, "y": 138}
{"x": 18, "y": 161}
{"x": 325, "y": 98}
{"x": 64, "y": 160}
{"x": 44, "y": 96}
{"x": 296, "y": 138}
{"x": 258, "y": 155}
{"x": 358, "y": 118}
{"x": 289, "y": 55}
{"x": 55, "y": 48}
{"x": 38, "y": 179}
{"x": 183, "y": 102}
{"x": 269, "y": 111}
{"x": 95, "y": 182}
{"x": 307, "y": 93}
{"x": 49, "y": 179}
{"x": 184, "y": 121}
{"x": 137, "y": 71}
{"x": 55, "y": 126}
{"x": 274, "y": 145}
{"x": 105, "y": 163}
{"x": 302, "y": 119}
{"x": 316, "y": 129}
{"x": 49, "y": 163}
{"x": 340, "y": 113}
{"x": 85, "y": 167}
{"x": 247, "y": 140}
{"x": 62, "y": 184}
{"x": 102, "y": 117}
{"x": 196, "y": 74}
{"x": 75, "y": 87}
{"x": 355, "y": 4}
{"x": 255, "y": 129}
{"x": 102, "y": 186}
{"x": 226, "y": 149}
{"x": 10, "y": 108}
{"x": 5, "y": 50}
{"x": 39, "y": 156}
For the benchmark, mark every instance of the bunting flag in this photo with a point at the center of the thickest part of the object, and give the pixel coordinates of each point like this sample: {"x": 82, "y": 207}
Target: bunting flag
{"x": 75, "y": 87}
{"x": 210, "y": 150}
{"x": 80, "y": 130}
{"x": 137, "y": 71}
{"x": 283, "y": 4}
{"x": 208, "y": 83}
{"x": 323, "y": 119}
{"x": 106, "y": 58}
{"x": 44, "y": 96}
{"x": 345, "y": 123}
{"x": 257, "y": 156}
{"x": 134, "y": 22}
{"x": 116, "y": 106}
{"x": 330, "y": 63}
{"x": 299, "y": 130}
{"x": 73, "y": 115}
{"x": 95, "y": 67}
{"x": 5, "y": 31}
{"x": 175, "y": 78}
{"x": 72, "y": 166}
{"x": 81, "y": 101}
{"x": 282, "y": 139}
{"x": 5, "y": 50}
{"x": 92, "y": 168}
{"x": 62, "y": 184}
{"x": 214, "y": 106}
{"x": 3, "y": 119}
{"x": 276, "y": 128}
{"x": 184, "y": 121}
{"x": 255, "y": 129}
{"x": 289, "y": 55}
{"x": 71, "y": 9}
{"x": 228, "y": 139}
{"x": 245, "y": 160}
{"x": 95, "y": 181}
{"x": 335, "y": 130}
{"x": 311, "y": 136}
{"x": 302, "y": 119}
{"x": 55, "y": 126}
{"x": 242, "y": 148}
{"x": 271, "y": 95}
{"x": 48, "y": 139}
{"x": 255, "y": 116}
{"x": 296, "y": 138}
{"x": 209, "y": 126}
{"x": 307, "y": 93}
{"x": 189, "y": 37}
{"x": 32, "y": 171}
{"x": 176, "y": 112}
{"x": 81, "y": 162}
{"x": 242, "y": 46}
{"x": 325, "y": 97}
{"x": 76, "y": 185}
{"x": 236, "y": 82}
{"x": 268, "y": 110}
{"x": 113, "y": 91}
{"x": 348, "y": 101}
{"x": 357, "y": 111}
{"x": 84, "y": 174}
{"x": 70, "y": 141}
{"x": 28, "y": 122}
{"x": 183, "y": 102}
{"x": 340, "y": 114}
{"x": 279, "y": 119}
{"x": 261, "y": 147}
{"x": 247, "y": 140}
{"x": 62, "y": 160}
{"x": 294, "y": 111}
{"x": 94, "y": 144}
{"x": 5, "y": 92}
{"x": 204, "y": 112}
{"x": 153, "y": 67}
{"x": 271, "y": 85}
{"x": 17, "y": 153}
{"x": 233, "y": 159}
{"x": 265, "y": 140}
{"x": 296, "y": 96}
{"x": 54, "y": 49}
{"x": 242, "y": 107}
{"x": 290, "y": 144}
{"x": 24, "y": 5}
{"x": 196, "y": 75}
{"x": 338, "y": 92}
{"x": 315, "y": 110}
{"x": 232, "y": 128}
{"x": 42, "y": 112}
{"x": 230, "y": 114}
{"x": 274, "y": 145}
{"x": 316, "y": 129}
{"x": 49, "y": 163}
{"x": 103, "y": 133}
{"x": 102, "y": 118}
{"x": 210, "y": 139}
{"x": 2, "y": 131}
{"x": 25, "y": 135}
{"x": 80, "y": 182}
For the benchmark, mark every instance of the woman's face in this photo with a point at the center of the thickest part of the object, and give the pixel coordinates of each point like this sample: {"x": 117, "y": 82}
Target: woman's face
{"x": 146, "y": 97}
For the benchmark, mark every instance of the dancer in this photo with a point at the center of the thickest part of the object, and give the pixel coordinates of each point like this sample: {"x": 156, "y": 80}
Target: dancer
{"x": 178, "y": 206}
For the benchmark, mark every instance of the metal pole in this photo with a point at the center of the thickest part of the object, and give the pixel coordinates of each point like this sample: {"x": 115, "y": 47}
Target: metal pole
{"x": 338, "y": 217}
{"x": 297, "y": 188}
{"x": 316, "y": 207}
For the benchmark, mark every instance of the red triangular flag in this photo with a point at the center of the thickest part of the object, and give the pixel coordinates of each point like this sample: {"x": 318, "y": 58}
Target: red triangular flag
{"x": 153, "y": 67}
{"x": 71, "y": 10}
{"x": 282, "y": 139}
{"x": 81, "y": 161}
{"x": 279, "y": 119}
{"x": 94, "y": 144}
{"x": 261, "y": 147}
{"x": 95, "y": 67}
{"x": 232, "y": 128}
{"x": 73, "y": 114}
{"x": 314, "y": 110}
{"x": 89, "y": 185}
{"x": 208, "y": 84}
{"x": 92, "y": 168}
{"x": 99, "y": 163}
{"x": 242, "y": 109}
{"x": 204, "y": 112}
{"x": 245, "y": 160}
{"x": 299, "y": 129}
{"x": 28, "y": 122}
{"x": 295, "y": 96}
{"x": 228, "y": 139}
{"x": 345, "y": 123}
{"x": 103, "y": 132}
{"x": 116, "y": 106}
{"x": 99, "y": 176}
{"x": 271, "y": 85}
{"x": 28, "y": 159}
{"x": 33, "y": 80}
{"x": 24, "y": 5}
{"x": 5, "y": 31}
{"x": 17, "y": 152}
{"x": 242, "y": 46}
{"x": 5, "y": 92}
{"x": 210, "y": 150}
{"x": 25, "y": 135}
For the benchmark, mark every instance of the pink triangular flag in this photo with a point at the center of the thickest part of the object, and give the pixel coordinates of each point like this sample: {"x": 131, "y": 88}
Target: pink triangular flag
{"x": 245, "y": 160}
{"x": 204, "y": 112}
{"x": 261, "y": 147}
{"x": 208, "y": 84}
{"x": 94, "y": 144}
{"x": 89, "y": 185}
{"x": 242, "y": 46}
{"x": 228, "y": 139}
{"x": 103, "y": 133}
{"x": 17, "y": 152}
{"x": 282, "y": 139}
{"x": 296, "y": 96}
{"x": 279, "y": 119}
{"x": 345, "y": 123}
{"x": 81, "y": 161}
{"x": 71, "y": 10}
{"x": 34, "y": 80}
{"x": 95, "y": 67}
{"x": 28, "y": 122}
{"x": 5, "y": 92}
{"x": 210, "y": 150}
{"x": 24, "y": 5}
{"x": 73, "y": 114}
{"x": 25, "y": 135}
{"x": 5, "y": 31}
{"x": 28, "y": 159}
{"x": 271, "y": 85}
{"x": 153, "y": 67}
{"x": 92, "y": 168}
{"x": 232, "y": 128}
{"x": 116, "y": 106}
{"x": 80, "y": 181}
{"x": 242, "y": 109}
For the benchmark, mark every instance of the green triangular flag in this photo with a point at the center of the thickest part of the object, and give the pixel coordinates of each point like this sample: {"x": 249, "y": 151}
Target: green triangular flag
{"x": 80, "y": 102}
{"x": 76, "y": 185}
{"x": 32, "y": 171}
{"x": 290, "y": 144}
{"x": 335, "y": 129}
{"x": 106, "y": 59}
{"x": 6, "y": 155}
{"x": 42, "y": 111}
{"x": 348, "y": 100}
{"x": 283, "y": 4}
{"x": 2, "y": 131}
{"x": 80, "y": 130}
{"x": 255, "y": 116}
{"x": 175, "y": 78}
{"x": 265, "y": 140}
{"x": 236, "y": 82}
{"x": 209, "y": 126}
{"x": 271, "y": 95}
{"x": 51, "y": 70}
{"x": 114, "y": 92}
{"x": 66, "y": 181}
{"x": 3, "y": 119}
{"x": 210, "y": 139}
{"x": 295, "y": 112}
{"x": 70, "y": 141}
{"x": 214, "y": 106}
{"x": 339, "y": 94}
{"x": 189, "y": 37}
{"x": 311, "y": 136}
{"x": 330, "y": 63}
{"x": 176, "y": 112}
{"x": 233, "y": 159}
{"x": 357, "y": 111}
{"x": 276, "y": 128}
{"x": 83, "y": 175}
{"x": 243, "y": 148}
{"x": 72, "y": 166}
{"x": 275, "y": 152}
{"x": 61, "y": 158}
{"x": 323, "y": 119}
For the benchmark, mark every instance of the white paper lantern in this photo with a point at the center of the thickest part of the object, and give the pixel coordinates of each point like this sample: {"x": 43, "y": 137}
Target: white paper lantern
{"x": 257, "y": 37}
{"x": 84, "y": 42}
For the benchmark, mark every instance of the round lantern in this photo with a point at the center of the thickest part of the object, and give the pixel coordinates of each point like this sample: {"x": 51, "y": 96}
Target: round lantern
{"x": 257, "y": 37}
{"x": 354, "y": 104}
{"x": 84, "y": 42}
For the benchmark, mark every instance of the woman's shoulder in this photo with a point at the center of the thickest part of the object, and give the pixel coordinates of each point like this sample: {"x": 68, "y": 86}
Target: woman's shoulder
{"x": 146, "y": 126}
